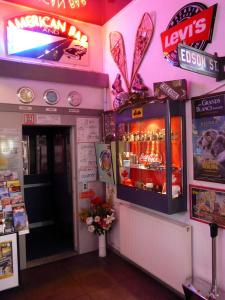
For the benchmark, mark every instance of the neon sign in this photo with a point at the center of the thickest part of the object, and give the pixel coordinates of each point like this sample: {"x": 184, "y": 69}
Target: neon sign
{"x": 64, "y": 4}
{"x": 49, "y": 37}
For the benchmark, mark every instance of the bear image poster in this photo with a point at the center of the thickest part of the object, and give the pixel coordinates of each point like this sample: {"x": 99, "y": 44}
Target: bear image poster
{"x": 209, "y": 148}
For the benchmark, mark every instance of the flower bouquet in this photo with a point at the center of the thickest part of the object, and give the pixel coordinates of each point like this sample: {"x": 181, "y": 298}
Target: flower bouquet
{"x": 99, "y": 216}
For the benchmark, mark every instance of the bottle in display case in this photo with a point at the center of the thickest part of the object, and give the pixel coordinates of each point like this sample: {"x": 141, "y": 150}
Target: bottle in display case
{"x": 151, "y": 150}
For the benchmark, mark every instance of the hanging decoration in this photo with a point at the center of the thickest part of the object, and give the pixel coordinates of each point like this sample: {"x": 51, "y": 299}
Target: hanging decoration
{"x": 118, "y": 52}
{"x": 193, "y": 25}
{"x": 198, "y": 61}
{"x": 143, "y": 38}
{"x": 136, "y": 92}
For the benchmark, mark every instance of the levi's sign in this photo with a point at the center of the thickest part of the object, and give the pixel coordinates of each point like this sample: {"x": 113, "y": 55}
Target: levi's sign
{"x": 194, "y": 29}
{"x": 198, "y": 61}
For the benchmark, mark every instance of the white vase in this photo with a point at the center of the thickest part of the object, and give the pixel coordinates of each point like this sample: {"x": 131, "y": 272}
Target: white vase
{"x": 101, "y": 245}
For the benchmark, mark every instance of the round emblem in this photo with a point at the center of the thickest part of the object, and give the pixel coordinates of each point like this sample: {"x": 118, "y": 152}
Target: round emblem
{"x": 51, "y": 97}
{"x": 74, "y": 98}
{"x": 184, "y": 13}
{"x": 25, "y": 94}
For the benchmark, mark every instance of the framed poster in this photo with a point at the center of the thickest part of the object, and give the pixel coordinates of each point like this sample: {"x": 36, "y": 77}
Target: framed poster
{"x": 104, "y": 162}
{"x": 9, "y": 274}
{"x": 208, "y": 134}
{"x": 207, "y": 205}
{"x": 88, "y": 130}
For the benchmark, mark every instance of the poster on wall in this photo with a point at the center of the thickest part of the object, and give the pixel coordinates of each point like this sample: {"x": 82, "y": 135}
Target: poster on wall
{"x": 104, "y": 162}
{"x": 46, "y": 37}
{"x": 208, "y": 135}
{"x": 207, "y": 205}
{"x": 86, "y": 156}
{"x": 10, "y": 151}
{"x": 9, "y": 277}
{"x": 88, "y": 130}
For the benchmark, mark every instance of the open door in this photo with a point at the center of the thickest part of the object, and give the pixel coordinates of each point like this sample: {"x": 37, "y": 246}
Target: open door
{"x": 48, "y": 190}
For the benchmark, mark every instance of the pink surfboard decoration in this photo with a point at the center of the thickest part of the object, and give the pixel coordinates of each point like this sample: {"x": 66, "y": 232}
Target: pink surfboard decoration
{"x": 118, "y": 52}
{"x": 143, "y": 39}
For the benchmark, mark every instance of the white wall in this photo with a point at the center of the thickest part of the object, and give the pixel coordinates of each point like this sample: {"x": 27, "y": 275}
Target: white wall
{"x": 155, "y": 68}
{"x": 92, "y": 97}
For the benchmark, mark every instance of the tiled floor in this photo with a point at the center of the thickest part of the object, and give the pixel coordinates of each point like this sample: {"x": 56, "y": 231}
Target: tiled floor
{"x": 88, "y": 277}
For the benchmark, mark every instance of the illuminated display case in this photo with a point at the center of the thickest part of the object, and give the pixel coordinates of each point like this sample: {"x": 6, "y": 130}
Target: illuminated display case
{"x": 151, "y": 156}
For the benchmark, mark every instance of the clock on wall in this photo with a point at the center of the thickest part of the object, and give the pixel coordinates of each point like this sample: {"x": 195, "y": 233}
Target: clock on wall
{"x": 51, "y": 97}
{"x": 25, "y": 94}
{"x": 74, "y": 98}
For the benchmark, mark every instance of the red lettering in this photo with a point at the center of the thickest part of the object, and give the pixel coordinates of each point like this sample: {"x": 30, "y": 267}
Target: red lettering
{"x": 194, "y": 29}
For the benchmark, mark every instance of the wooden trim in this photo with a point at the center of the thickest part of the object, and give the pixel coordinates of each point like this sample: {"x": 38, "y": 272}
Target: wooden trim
{"x": 31, "y": 71}
{"x": 6, "y": 107}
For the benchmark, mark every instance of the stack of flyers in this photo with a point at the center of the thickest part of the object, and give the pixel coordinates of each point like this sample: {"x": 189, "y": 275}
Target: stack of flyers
{"x": 4, "y": 192}
{"x": 20, "y": 221}
{"x": 3, "y": 184}
{"x": 4, "y": 198}
{"x": 8, "y": 175}
{"x": 2, "y": 225}
{"x": 16, "y": 198}
{"x": 6, "y": 260}
{"x": 8, "y": 221}
{"x": 13, "y": 186}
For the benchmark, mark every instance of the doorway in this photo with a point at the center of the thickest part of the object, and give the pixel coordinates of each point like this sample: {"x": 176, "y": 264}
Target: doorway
{"x": 48, "y": 191}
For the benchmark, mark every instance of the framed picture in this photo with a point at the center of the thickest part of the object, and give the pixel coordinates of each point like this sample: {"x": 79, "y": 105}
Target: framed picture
{"x": 208, "y": 136}
{"x": 207, "y": 205}
{"x": 104, "y": 162}
{"x": 9, "y": 274}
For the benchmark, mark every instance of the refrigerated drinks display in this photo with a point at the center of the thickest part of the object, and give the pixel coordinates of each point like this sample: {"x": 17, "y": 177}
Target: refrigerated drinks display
{"x": 151, "y": 163}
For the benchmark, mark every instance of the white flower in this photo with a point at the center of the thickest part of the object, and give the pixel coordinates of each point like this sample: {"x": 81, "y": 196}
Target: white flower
{"x": 91, "y": 228}
{"x": 97, "y": 219}
{"x": 110, "y": 219}
{"x": 89, "y": 220}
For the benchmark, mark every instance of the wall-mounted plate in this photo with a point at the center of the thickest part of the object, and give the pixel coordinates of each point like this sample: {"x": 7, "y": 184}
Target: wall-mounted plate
{"x": 25, "y": 94}
{"x": 51, "y": 97}
{"x": 74, "y": 98}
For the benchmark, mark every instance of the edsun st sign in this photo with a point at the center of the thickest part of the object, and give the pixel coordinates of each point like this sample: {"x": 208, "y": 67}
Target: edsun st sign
{"x": 193, "y": 25}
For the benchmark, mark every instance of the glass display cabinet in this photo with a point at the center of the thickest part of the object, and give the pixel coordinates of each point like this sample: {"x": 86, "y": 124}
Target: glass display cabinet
{"x": 151, "y": 156}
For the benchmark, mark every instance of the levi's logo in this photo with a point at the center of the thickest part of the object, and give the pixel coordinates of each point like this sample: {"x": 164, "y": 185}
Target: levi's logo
{"x": 194, "y": 29}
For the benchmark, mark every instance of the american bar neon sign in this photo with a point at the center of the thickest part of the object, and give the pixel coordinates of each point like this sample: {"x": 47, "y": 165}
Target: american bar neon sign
{"x": 46, "y": 37}
{"x": 48, "y": 24}
{"x": 64, "y": 4}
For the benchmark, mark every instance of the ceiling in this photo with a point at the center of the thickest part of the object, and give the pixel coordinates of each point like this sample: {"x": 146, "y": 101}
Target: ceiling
{"x": 95, "y": 12}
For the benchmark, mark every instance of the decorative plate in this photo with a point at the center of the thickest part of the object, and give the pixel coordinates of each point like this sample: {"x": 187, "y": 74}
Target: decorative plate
{"x": 25, "y": 94}
{"x": 74, "y": 98}
{"x": 51, "y": 97}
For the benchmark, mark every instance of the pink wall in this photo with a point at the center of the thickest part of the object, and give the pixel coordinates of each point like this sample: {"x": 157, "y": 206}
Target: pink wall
{"x": 92, "y": 96}
{"x": 93, "y": 32}
{"x": 155, "y": 68}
